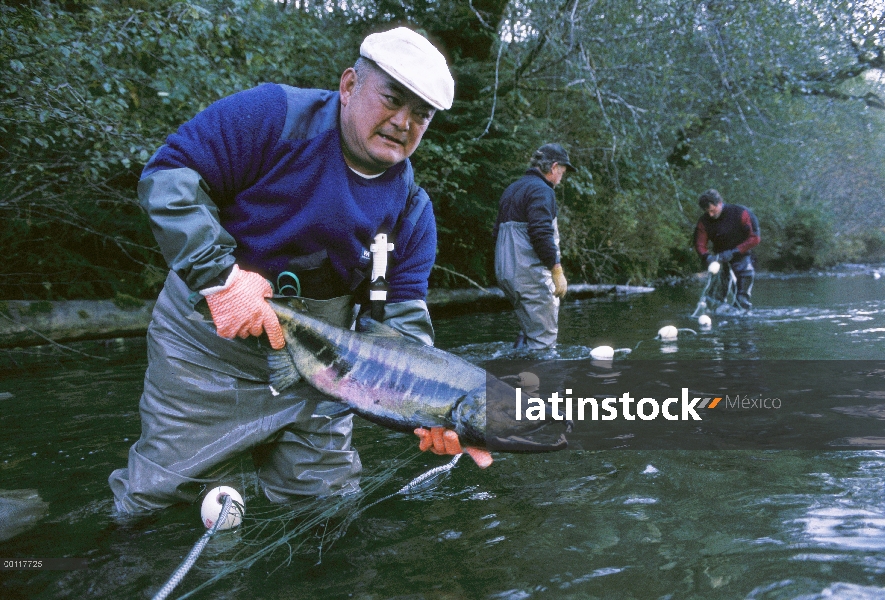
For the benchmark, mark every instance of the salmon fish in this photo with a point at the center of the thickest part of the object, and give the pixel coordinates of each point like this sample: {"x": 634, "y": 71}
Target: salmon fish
{"x": 401, "y": 384}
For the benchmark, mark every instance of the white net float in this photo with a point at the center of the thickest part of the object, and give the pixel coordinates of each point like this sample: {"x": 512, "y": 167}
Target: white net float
{"x": 214, "y": 501}
{"x": 668, "y": 333}
{"x": 603, "y": 353}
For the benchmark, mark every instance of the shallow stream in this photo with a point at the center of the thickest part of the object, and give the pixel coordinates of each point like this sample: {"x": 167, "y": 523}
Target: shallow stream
{"x": 770, "y": 524}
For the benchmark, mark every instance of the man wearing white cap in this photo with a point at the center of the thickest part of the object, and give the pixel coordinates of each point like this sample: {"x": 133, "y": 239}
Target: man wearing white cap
{"x": 290, "y": 186}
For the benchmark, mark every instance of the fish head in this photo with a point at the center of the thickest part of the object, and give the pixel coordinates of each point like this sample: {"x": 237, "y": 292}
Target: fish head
{"x": 487, "y": 416}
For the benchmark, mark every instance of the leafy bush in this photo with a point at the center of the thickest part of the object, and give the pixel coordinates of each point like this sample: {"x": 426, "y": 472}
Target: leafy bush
{"x": 796, "y": 238}
{"x": 89, "y": 94}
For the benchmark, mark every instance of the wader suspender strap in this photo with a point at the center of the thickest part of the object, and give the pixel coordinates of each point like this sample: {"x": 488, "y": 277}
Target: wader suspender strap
{"x": 415, "y": 204}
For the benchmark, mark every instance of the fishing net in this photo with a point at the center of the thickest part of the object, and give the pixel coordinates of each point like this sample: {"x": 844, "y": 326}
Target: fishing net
{"x": 277, "y": 534}
{"x": 720, "y": 293}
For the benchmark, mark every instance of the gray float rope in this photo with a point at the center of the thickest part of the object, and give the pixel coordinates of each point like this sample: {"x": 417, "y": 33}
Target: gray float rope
{"x": 406, "y": 489}
{"x": 228, "y": 501}
{"x": 195, "y": 552}
{"x": 429, "y": 474}
{"x": 409, "y": 487}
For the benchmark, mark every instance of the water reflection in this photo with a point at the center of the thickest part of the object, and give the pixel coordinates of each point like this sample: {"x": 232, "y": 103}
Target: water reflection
{"x": 797, "y": 317}
{"x": 845, "y": 528}
{"x": 850, "y": 515}
{"x": 582, "y": 523}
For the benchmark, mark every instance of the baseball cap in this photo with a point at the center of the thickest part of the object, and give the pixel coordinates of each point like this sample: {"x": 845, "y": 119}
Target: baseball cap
{"x": 555, "y": 153}
{"x": 411, "y": 59}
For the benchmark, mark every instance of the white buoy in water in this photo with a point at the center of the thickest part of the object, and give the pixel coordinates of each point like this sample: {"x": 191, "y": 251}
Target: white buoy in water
{"x": 714, "y": 267}
{"x": 528, "y": 381}
{"x": 704, "y": 321}
{"x": 214, "y": 501}
{"x": 876, "y": 275}
{"x": 668, "y": 333}
{"x": 603, "y": 353}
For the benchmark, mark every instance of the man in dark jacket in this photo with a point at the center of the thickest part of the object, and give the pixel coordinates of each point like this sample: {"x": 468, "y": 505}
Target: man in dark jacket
{"x": 527, "y": 257}
{"x": 267, "y": 182}
{"x": 733, "y": 231}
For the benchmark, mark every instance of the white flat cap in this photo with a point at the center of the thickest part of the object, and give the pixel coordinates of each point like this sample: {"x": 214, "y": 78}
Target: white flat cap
{"x": 412, "y": 60}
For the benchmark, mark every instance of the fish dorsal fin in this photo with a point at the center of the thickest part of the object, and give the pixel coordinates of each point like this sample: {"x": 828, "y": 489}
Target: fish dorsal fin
{"x": 372, "y": 327}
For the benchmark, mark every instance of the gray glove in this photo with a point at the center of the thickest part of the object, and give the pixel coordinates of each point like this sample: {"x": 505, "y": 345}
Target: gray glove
{"x": 726, "y": 255}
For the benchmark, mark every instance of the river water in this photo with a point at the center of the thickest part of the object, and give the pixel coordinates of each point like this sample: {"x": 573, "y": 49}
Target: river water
{"x": 659, "y": 523}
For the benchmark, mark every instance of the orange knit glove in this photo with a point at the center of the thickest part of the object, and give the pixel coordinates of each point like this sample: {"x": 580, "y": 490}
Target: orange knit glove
{"x": 240, "y": 309}
{"x": 440, "y": 440}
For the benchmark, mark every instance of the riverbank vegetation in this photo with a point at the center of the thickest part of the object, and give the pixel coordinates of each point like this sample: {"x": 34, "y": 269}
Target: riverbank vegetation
{"x": 779, "y": 105}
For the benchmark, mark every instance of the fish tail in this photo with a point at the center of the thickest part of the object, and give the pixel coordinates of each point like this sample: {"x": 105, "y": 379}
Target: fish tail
{"x": 283, "y": 373}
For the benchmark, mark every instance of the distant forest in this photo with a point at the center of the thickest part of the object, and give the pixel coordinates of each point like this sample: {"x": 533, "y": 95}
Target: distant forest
{"x": 779, "y": 105}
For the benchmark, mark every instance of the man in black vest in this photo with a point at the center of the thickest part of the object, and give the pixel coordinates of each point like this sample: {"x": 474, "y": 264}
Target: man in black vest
{"x": 733, "y": 231}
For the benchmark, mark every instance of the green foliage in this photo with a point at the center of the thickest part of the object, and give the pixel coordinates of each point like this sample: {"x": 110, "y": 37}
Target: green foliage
{"x": 860, "y": 247}
{"x": 800, "y": 237}
{"x": 88, "y": 95}
{"x": 655, "y": 100}
{"x": 873, "y": 245}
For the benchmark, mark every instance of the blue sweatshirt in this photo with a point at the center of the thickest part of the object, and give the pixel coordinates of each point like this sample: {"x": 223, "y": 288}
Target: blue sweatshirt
{"x": 272, "y": 161}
